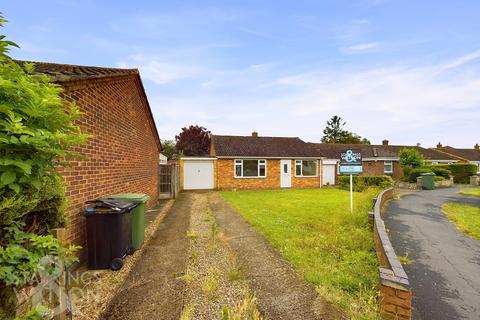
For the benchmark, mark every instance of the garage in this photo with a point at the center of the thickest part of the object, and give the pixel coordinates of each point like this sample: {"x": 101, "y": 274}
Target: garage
{"x": 198, "y": 173}
{"x": 329, "y": 168}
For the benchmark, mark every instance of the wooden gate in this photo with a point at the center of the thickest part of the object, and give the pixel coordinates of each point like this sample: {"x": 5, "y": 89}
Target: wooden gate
{"x": 168, "y": 181}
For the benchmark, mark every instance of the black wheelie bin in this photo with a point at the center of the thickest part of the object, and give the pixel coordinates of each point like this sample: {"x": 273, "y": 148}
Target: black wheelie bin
{"x": 109, "y": 233}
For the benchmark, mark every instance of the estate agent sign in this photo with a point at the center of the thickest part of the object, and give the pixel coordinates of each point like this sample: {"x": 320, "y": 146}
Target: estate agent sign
{"x": 350, "y": 162}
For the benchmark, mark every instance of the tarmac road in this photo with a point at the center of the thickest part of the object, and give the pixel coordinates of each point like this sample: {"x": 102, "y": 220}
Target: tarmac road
{"x": 445, "y": 269}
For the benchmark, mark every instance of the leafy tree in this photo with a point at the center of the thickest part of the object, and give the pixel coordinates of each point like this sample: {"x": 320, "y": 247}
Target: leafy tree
{"x": 37, "y": 134}
{"x": 193, "y": 141}
{"x": 169, "y": 148}
{"x": 334, "y": 132}
{"x": 410, "y": 159}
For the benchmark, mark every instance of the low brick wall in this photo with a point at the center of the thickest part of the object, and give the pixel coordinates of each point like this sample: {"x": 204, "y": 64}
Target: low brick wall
{"x": 395, "y": 293}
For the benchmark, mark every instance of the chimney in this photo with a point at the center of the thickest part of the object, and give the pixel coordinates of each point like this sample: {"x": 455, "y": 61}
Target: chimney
{"x": 439, "y": 145}
{"x": 385, "y": 142}
{"x": 476, "y": 147}
{"x": 254, "y": 134}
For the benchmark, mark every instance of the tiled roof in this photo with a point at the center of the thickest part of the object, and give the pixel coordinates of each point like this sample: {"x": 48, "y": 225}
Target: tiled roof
{"x": 467, "y": 154}
{"x": 333, "y": 150}
{"x": 68, "y": 72}
{"x": 428, "y": 154}
{"x": 249, "y": 146}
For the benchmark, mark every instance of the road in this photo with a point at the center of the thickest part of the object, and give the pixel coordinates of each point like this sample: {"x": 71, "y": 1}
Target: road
{"x": 445, "y": 268}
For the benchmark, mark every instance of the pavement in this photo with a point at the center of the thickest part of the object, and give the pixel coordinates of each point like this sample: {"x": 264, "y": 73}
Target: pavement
{"x": 445, "y": 269}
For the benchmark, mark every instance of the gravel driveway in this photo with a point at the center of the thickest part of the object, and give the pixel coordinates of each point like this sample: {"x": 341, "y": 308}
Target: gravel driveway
{"x": 445, "y": 268}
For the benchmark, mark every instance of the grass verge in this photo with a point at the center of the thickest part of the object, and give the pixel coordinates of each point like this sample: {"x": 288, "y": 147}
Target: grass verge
{"x": 315, "y": 231}
{"x": 465, "y": 217}
{"x": 470, "y": 192}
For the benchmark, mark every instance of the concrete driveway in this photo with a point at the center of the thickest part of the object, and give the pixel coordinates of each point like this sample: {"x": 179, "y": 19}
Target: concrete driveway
{"x": 445, "y": 268}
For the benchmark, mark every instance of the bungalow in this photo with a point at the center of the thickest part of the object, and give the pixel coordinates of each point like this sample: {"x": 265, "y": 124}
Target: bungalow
{"x": 254, "y": 162}
{"x": 377, "y": 159}
{"x": 123, "y": 153}
{"x": 466, "y": 155}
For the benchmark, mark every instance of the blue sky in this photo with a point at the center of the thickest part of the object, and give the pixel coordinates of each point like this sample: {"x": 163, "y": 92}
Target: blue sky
{"x": 407, "y": 71}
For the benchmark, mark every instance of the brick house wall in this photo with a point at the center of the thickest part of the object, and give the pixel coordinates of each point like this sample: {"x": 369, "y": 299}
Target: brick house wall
{"x": 376, "y": 168}
{"x": 122, "y": 154}
{"x": 225, "y": 179}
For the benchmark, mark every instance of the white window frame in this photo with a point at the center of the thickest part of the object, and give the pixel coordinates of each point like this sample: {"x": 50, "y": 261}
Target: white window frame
{"x": 300, "y": 162}
{"x": 239, "y": 162}
{"x": 391, "y": 166}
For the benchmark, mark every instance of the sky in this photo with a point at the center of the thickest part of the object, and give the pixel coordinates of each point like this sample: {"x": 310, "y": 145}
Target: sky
{"x": 406, "y": 71}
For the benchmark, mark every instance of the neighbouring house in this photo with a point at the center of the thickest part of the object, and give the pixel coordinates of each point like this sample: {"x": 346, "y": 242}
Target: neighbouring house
{"x": 123, "y": 153}
{"x": 163, "y": 159}
{"x": 253, "y": 162}
{"x": 376, "y": 160}
{"x": 466, "y": 155}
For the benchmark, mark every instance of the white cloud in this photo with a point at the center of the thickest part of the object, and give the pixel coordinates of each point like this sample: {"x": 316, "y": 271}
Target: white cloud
{"x": 363, "y": 46}
{"x": 160, "y": 72}
{"x": 405, "y": 104}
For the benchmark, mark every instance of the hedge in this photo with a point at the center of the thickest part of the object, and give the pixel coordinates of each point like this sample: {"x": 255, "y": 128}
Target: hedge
{"x": 360, "y": 183}
{"x": 461, "y": 172}
{"x": 439, "y": 171}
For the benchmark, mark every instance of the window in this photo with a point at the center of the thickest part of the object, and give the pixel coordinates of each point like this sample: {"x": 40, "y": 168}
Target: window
{"x": 388, "y": 167}
{"x": 250, "y": 168}
{"x": 305, "y": 168}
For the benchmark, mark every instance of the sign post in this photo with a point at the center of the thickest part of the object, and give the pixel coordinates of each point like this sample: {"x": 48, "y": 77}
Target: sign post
{"x": 351, "y": 163}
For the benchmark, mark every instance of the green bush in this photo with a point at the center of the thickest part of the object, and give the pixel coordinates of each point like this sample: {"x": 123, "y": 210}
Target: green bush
{"x": 38, "y": 133}
{"x": 440, "y": 171}
{"x": 461, "y": 172}
{"x": 360, "y": 183}
{"x": 412, "y": 177}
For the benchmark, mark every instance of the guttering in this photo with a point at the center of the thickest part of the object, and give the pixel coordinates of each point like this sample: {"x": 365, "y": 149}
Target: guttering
{"x": 198, "y": 158}
{"x": 267, "y": 157}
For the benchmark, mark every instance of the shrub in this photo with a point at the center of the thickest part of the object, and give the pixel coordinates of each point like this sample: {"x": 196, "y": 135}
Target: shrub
{"x": 440, "y": 171}
{"x": 461, "y": 172}
{"x": 412, "y": 177}
{"x": 360, "y": 183}
{"x": 409, "y": 159}
{"x": 37, "y": 135}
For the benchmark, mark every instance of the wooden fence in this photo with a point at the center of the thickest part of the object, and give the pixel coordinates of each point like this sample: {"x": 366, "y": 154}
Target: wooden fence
{"x": 168, "y": 181}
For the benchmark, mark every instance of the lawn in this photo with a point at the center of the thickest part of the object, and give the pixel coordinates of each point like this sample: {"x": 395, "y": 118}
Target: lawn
{"x": 470, "y": 192}
{"x": 315, "y": 231}
{"x": 465, "y": 217}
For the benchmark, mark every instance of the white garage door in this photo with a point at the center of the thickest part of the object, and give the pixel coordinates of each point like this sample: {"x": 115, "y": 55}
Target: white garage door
{"x": 198, "y": 174}
{"x": 328, "y": 174}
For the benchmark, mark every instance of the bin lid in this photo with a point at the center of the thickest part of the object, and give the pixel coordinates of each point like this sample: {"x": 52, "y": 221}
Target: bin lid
{"x": 101, "y": 206}
{"x": 428, "y": 174}
{"x": 130, "y": 197}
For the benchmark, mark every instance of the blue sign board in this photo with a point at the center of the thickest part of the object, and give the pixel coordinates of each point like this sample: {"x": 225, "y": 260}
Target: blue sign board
{"x": 350, "y": 162}
{"x": 351, "y": 169}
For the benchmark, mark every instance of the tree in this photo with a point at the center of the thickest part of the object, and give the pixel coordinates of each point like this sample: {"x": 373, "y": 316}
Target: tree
{"x": 193, "y": 141}
{"x": 168, "y": 148}
{"x": 335, "y": 133}
{"x": 37, "y": 134}
{"x": 409, "y": 159}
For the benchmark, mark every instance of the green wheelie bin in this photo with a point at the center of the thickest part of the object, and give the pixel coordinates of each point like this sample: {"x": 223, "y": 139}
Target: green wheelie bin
{"x": 138, "y": 215}
{"x": 428, "y": 180}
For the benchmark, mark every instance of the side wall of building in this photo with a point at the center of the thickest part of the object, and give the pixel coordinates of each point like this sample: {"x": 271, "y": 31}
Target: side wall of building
{"x": 121, "y": 155}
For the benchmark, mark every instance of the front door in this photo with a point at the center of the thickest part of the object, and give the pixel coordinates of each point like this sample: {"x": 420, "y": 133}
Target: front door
{"x": 285, "y": 173}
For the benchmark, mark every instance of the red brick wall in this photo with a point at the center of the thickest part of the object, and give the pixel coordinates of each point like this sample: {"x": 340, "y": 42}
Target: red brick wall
{"x": 375, "y": 168}
{"x": 225, "y": 178}
{"x": 122, "y": 155}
